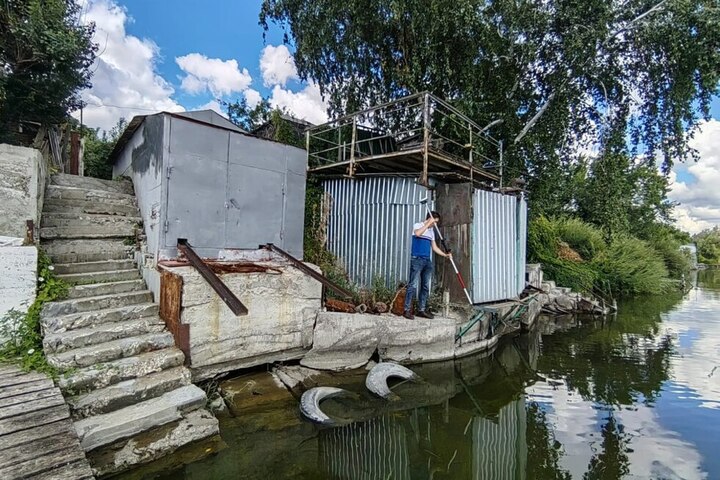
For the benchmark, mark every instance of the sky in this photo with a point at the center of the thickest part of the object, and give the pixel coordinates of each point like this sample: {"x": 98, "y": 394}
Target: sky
{"x": 180, "y": 55}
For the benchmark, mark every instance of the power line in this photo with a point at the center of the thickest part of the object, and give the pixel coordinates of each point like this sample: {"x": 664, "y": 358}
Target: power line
{"x": 109, "y": 105}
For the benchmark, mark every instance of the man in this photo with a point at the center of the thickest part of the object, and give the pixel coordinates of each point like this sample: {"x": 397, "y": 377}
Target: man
{"x": 423, "y": 244}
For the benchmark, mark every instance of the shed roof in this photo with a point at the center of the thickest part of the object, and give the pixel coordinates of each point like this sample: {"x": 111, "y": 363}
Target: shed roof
{"x": 205, "y": 117}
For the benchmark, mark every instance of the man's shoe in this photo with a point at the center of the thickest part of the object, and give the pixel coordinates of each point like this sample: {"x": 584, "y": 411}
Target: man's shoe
{"x": 408, "y": 315}
{"x": 425, "y": 314}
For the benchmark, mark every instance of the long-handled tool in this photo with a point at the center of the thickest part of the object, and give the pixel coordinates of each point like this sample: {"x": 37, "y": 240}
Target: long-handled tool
{"x": 445, "y": 247}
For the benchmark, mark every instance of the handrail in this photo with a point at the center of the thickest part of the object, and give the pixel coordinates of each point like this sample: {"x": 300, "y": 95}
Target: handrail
{"x": 211, "y": 278}
{"x": 308, "y": 271}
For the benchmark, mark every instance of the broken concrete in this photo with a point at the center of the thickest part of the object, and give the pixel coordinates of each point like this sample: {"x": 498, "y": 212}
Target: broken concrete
{"x": 345, "y": 341}
{"x": 282, "y": 304}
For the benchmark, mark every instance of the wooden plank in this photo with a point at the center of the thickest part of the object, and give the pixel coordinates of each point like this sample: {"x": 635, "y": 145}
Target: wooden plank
{"x": 18, "y": 378}
{"x": 73, "y": 471}
{"x": 33, "y": 419}
{"x": 13, "y": 390}
{"x": 42, "y": 463}
{"x": 23, "y": 437}
{"x": 24, "y": 408}
{"x": 8, "y": 369}
{"x": 44, "y": 446}
{"x": 29, "y": 397}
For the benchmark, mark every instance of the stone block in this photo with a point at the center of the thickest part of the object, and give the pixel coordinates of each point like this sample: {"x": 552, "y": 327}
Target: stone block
{"x": 420, "y": 340}
{"x": 21, "y": 188}
{"x": 18, "y": 279}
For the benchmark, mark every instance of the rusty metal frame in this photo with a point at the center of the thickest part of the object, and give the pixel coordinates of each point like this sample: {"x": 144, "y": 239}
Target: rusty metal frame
{"x": 227, "y": 296}
{"x": 308, "y": 271}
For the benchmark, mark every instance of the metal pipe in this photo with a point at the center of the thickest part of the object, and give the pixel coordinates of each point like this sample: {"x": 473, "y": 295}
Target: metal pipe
{"x": 308, "y": 271}
{"x": 213, "y": 280}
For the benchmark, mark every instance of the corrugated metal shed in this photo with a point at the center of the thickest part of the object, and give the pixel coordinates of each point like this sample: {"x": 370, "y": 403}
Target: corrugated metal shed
{"x": 499, "y": 240}
{"x": 370, "y": 224}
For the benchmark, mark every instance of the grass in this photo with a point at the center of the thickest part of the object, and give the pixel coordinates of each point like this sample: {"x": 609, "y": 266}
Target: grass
{"x": 24, "y": 346}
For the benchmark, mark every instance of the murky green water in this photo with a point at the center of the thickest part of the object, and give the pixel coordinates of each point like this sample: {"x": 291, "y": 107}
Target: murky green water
{"x": 637, "y": 396}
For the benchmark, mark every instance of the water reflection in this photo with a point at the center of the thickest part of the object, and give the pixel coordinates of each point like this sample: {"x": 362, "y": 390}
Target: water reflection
{"x": 636, "y": 396}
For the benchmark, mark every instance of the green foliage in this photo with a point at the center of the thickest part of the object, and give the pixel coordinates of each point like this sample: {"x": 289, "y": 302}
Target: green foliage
{"x": 553, "y": 72}
{"x": 240, "y": 113}
{"x": 708, "y": 245}
{"x": 631, "y": 266}
{"x": 25, "y": 344}
{"x": 98, "y": 148}
{"x": 582, "y": 237}
{"x": 45, "y": 59}
{"x": 625, "y": 266}
{"x": 543, "y": 243}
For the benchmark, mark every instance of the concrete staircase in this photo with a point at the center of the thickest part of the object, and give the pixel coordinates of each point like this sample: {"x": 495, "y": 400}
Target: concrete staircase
{"x": 130, "y": 396}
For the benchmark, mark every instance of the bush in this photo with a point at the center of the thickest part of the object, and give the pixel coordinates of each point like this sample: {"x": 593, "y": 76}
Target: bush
{"x": 582, "y": 237}
{"x": 631, "y": 266}
{"x": 627, "y": 266}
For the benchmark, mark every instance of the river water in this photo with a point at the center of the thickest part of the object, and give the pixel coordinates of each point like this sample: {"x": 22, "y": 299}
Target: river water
{"x": 636, "y": 396}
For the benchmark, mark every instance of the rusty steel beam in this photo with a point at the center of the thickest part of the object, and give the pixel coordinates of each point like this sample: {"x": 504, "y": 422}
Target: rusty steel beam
{"x": 309, "y": 271}
{"x": 206, "y": 272}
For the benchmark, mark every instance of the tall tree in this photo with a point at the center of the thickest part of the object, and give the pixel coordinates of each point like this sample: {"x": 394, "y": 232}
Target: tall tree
{"x": 98, "y": 148}
{"x": 548, "y": 75}
{"x": 45, "y": 59}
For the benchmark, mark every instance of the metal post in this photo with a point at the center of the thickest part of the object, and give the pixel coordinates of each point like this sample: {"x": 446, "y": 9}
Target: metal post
{"x": 426, "y": 139}
{"x": 307, "y": 149}
{"x": 472, "y": 165}
{"x": 500, "y": 148}
{"x": 352, "y": 147}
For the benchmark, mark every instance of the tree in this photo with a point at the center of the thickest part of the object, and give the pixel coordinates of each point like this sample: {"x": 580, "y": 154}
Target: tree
{"x": 550, "y": 76}
{"x": 45, "y": 59}
{"x": 98, "y": 148}
{"x": 708, "y": 245}
{"x": 245, "y": 117}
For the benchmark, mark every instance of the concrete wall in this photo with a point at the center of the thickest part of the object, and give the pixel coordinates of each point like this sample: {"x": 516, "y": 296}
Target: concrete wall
{"x": 282, "y": 305}
{"x": 142, "y": 161}
{"x": 22, "y": 188}
{"x": 18, "y": 277}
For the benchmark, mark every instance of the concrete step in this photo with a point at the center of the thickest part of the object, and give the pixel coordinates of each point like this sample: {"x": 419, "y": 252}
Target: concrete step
{"x": 99, "y": 430}
{"x": 72, "y": 321}
{"x": 92, "y": 305}
{"x": 60, "y": 192}
{"x": 121, "y": 185}
{"x": 159, "y": 442}
{"x": 91, "y": 231}
{"x": 103, "y": 374}
{"x": 109, "y": 351}
{"x": 102, "y": 333}
{"x": 87, "y": 220}
{"x": 128, "y": 392}
{"x": 99, "y": 289}
{"x": 91, "y": 267}
{"x": 100, "y": 277}
{"x": 70, "y": 205}
{"x": 86, "y": 250}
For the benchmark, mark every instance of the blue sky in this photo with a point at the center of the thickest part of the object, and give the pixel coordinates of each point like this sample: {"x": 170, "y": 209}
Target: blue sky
{"x": 183, "y": 54}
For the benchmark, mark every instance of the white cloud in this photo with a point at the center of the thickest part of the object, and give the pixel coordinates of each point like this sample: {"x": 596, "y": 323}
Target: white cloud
{"x": 252, "y": 97}
{"x": 213, "y": 105}
{"x": 697, "y": 192}
{"x": 277, "y": 65}
{"x": 125, "y": 82}
{"x": 306, "y": 104}
{"x": 219, "y": 77}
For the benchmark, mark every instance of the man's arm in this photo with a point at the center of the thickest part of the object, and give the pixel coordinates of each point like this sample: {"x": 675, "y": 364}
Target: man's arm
{"x": 439, "y": 251}
{"x": 425, "y": 226}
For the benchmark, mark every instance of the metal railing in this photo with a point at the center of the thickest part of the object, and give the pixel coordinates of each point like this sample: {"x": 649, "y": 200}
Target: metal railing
{"x": 420, "y": 123}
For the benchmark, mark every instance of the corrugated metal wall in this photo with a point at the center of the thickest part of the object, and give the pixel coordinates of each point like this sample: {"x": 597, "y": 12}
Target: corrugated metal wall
{"x": 499, "y": 240}
{"x": 370, "y": 225}
{"x": 500, "y": 446}
{"x": 372, "y": 450}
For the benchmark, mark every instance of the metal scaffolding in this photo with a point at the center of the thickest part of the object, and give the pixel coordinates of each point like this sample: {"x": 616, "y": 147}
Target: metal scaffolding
{"x": 419, "y": 134}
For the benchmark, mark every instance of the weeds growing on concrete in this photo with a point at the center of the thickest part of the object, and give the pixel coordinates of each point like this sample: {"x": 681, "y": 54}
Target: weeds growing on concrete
{"x": 24, "y": 345}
